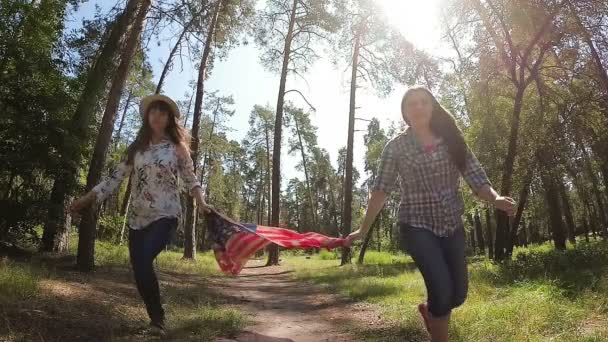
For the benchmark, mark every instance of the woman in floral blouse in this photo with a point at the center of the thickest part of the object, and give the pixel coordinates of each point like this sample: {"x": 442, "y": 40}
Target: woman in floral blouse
{"x": 158, "y": 156}
{"x": 428, "y": 159}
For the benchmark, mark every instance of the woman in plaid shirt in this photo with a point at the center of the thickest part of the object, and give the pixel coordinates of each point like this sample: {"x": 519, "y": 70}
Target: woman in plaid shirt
{"x": 428, "y": 159}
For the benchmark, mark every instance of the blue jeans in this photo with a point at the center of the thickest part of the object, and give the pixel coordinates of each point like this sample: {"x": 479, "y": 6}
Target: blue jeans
{"x": 144, "y": 245}
{"x": 441, "y": 261}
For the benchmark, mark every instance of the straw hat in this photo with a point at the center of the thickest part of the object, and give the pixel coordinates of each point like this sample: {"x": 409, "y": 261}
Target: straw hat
{"x": 148, "y": 100}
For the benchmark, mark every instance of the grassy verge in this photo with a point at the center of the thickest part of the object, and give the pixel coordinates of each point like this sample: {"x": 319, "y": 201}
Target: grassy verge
{"x": 542, "y": 295}
{"x": 45, "y": 299}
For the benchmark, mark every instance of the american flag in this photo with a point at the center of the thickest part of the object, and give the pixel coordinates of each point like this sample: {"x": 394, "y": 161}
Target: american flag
{"x": 234, "y": 243}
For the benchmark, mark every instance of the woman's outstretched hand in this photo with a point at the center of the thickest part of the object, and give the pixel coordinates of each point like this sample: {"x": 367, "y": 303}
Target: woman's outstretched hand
{"x": 78, "y": 205}
{"x": 506, "y": 204}
{"x": 356, "y": 235}
{"x": 205, "y": 208}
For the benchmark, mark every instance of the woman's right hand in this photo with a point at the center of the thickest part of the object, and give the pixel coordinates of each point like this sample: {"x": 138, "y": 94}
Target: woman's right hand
{"x": 78, "y": 205}
{"x": 354, "y": 236}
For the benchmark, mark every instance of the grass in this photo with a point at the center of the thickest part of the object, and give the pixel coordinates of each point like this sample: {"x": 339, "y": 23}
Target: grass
{"x": 17, "y": 281}
{"x": 542, "y": 295}
{"x": 104, "y": 304}
{"x": 108, "y": 254}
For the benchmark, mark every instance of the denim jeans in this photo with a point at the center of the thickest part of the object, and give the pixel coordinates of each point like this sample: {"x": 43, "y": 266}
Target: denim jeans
{"x": 144, "y": 245}
{"x": 441, "y": 261}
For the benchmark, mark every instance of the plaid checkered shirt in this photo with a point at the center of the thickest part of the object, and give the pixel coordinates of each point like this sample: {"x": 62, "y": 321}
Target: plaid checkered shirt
{"x": 429, "y": 183}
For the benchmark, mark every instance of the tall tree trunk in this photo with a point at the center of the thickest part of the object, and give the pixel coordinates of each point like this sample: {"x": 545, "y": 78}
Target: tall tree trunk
{"x": 478, "y": 232}
{"x": 472, "y": 234}
{"x": 169, "y": 61}
{"x": 273, "y": 250}
{"x": 502, "y": 220}
{"x": 524, "y": 233}
{"x": 521, "y": 205}
{"x": 9, "y": 186}
{"x": 259, "y": 200}
{"x": 597, "y": 59}
{"x": 348, "y": 177}
{"x": 123, "y": 116}
{"x": 203, "y": 231}
{"x": 489, "y": 234}
{"x": 124, "y": 219}
{"x": 366, "y": 242}
{"x": 555, "y": 215}
{"x": 308, "y": 189}
{"x": 517, "y": 62}
{"x": 79, "y": 130}
{"x": 605, "y": 173}
{"x": 206, "y": 155}
{"x": 190, "y": 225}
{"x": 268, "y": 187}
{"x": 127, "y": 197}
{"x": 189, "y": 106}
{"x": 586, "y": 228}
{"x": 570, "y": 225}
{"x": 85, "y": 258}
{"x": 595, "y": 189}
{"x": 334, "y": 206}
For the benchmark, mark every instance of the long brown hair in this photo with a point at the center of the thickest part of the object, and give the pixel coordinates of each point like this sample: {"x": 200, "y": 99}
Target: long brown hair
{"x": 174, "y": 130}
{"x": 443, "y": 125}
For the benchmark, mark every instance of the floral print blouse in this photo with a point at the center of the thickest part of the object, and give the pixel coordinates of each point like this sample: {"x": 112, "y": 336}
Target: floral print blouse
{"x": 155, "y": 191}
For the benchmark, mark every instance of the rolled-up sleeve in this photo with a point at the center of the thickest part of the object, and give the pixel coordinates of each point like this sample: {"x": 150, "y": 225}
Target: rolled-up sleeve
{"x": 185, "y": 167}
{"x": 110, "y": 183}
{"x": 473, "y": 173}
{"x": 387, "y": 170}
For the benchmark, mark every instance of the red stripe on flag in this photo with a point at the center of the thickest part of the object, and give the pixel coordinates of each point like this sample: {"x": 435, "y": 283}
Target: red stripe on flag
{"x": 241, "y": 246}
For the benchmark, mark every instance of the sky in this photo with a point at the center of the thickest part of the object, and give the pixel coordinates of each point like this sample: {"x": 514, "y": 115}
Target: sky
{"x": 326, "y": 86}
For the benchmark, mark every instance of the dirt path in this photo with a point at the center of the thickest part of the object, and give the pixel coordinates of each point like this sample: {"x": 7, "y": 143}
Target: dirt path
{"x": 104, "y": 306}
{"x": 286, "y": 310}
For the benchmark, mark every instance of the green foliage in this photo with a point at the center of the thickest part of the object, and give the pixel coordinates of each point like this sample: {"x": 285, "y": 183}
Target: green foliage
{"x": 540, "y": 285}
{"x": 36, "y": 96}
{"x": 328, "y": 255}
{"x": 110, "y": 227}
{"x": 17, "y": 282}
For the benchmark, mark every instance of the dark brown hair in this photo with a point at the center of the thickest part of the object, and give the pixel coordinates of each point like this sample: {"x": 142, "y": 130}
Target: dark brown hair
{"x": 443, "y": 125}
{"x": 174, "y": 130}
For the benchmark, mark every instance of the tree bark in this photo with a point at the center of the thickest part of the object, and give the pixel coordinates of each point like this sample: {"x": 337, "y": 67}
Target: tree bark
{"x": 570, "y": 225}
{"x": 521, "y": 205}
{"x": 595, "y": 189}
{"x": 489, "y": 234}
{"x": 85, "y": 258}
{"x": 308, "y": 189}
{"x": 167, "y": 65}
{"x": 478, "y": 232}
{"x": 555, "y": 215}
{"x": 124, "y": 115}
{"x": 516, "y": 61}
{"x": 366, "y": 242}
{"x": 348, "y": 176}
{"x": 502, "y": 221}
{"x": 190, "y": 225}
{"x": 602, "y": 74}
{"x": 268, "y": 186}
{"x": 524, "y": 233}
{"x": 79, "y": 131}
{"x": 273, "y": 249}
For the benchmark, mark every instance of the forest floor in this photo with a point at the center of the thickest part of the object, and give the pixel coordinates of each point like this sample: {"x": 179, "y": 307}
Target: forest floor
{"x": 43, "y": 298}
{"x": 542, "y": 295}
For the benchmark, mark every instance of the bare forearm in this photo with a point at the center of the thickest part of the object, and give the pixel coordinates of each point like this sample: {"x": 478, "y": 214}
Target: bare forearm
{"x": 90, "y": 197}
{"x": 376, "y": 202}
{"x": 198, "y": 195}
{"x": 487, "y": 193}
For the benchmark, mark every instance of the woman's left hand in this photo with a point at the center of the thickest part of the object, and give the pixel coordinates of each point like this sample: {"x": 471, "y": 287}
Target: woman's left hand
{"x": 204, "y": 207}
{"x": 506, "y": 204}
